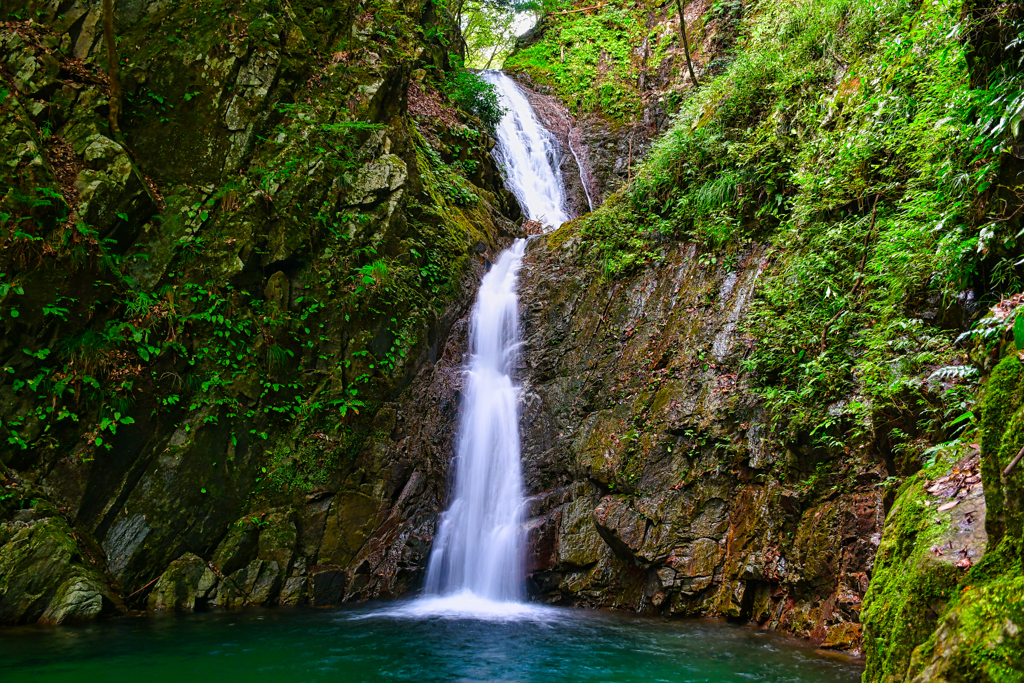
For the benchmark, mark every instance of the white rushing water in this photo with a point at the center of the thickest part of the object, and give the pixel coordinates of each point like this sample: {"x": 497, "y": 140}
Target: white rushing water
{"x": 479, "y": 543}
{"x": 529, "y": 154}
{"x": 477, "y": 561}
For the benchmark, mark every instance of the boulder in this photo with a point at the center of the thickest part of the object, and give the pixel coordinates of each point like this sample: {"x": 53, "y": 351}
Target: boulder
{"x": 188, "y": 584}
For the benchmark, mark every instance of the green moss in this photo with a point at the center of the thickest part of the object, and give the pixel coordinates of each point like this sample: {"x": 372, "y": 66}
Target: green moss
{"x": 981, "y": 634}
{"x": 926, "y": 620}
{"x": 1003, "y": 395}
{"x": 909, "y": 586}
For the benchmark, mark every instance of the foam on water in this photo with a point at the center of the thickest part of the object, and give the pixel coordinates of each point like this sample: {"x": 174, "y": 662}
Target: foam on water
{"x": 468, "y": 605}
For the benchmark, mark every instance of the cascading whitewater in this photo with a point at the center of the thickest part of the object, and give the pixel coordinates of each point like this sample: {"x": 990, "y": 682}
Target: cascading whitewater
{"x": 479, "y": 544}
{"x": 529, "y": 154}
{"x": 479, "y": 549}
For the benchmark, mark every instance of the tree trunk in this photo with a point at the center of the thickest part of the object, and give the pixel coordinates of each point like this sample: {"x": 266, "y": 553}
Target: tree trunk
{"x": 686, "y": 45}
{"x": 115, "y": 83}
{"x": 492, "y": 57}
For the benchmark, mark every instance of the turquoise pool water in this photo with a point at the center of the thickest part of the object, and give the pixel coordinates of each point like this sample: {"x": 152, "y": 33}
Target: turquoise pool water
{"x": 393, "y": 643}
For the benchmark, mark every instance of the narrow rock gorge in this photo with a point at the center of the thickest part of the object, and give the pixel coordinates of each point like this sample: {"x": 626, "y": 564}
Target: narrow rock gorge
{"x": 770, "y": 368}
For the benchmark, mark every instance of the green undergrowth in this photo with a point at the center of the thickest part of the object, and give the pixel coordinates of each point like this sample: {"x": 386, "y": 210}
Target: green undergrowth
{"x": 844, "y": 135}
{"x": 279, "y": 305}
{"x": 587, "y": 58}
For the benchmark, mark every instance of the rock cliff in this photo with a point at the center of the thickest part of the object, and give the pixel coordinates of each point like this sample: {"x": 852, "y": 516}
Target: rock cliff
{"x": 655, "y": 484}
{"x": 209, "y": 317}
{"x": 725, "y": 409}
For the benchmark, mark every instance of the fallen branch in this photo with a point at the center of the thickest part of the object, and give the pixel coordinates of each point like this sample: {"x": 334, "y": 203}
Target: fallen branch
{"x": 146, "y": 586}
{"x": 686, "y": 44}
{"x": 112, "y": 67}
{"x": 1013, "y": 463}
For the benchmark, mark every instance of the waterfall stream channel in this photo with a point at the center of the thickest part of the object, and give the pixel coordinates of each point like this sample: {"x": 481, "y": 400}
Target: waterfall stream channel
{"x": 473, "y": 621}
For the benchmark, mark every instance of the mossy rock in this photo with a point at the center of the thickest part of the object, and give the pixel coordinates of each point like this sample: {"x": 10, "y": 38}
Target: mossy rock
{"x": 43, "y": 575}
{"x": 909, "y": 588}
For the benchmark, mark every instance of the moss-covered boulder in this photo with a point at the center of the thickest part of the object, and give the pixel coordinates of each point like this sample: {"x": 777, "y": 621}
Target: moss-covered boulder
{"x": 921, "y": 560}
{"x": 44, "y": 574}
{"x": 186, "y": 585}
{"x": 944, "y": 604}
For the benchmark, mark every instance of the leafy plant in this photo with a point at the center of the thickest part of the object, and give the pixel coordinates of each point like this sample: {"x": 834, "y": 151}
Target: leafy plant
{"x": 471, "y": 92}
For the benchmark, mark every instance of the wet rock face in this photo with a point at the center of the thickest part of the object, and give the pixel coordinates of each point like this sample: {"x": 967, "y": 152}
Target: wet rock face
{"x": 653, "y": 484}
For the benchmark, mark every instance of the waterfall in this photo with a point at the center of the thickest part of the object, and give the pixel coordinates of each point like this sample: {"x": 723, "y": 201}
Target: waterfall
{"x": 528, "y": 154}
{"x": 479, "y": 543}
{"x": 477, "y": 561}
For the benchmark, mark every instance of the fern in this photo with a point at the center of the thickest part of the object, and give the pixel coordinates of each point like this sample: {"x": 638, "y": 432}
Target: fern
{"x": 953, "y": 372}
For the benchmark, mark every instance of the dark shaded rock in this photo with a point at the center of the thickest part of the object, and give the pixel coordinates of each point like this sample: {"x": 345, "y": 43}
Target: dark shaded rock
{"x": 188, "y": 584}
{"x": 327, "y": 586}
{"x": 256, "y": 584}
{"x": 620, "y": 526}
{"x": 237, "y": 549}
{"x": 43, "y": 574}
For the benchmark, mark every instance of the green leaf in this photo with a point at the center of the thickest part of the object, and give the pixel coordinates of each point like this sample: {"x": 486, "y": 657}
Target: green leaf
{"x": 202, "y": 490}
{"x": 1018, "y": 331}
{"x": 99, "y": 441}
{"x": 966, "y": 416}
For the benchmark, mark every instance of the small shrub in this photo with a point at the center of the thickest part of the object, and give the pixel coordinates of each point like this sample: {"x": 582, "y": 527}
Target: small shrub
{"x": 472, "y": 93}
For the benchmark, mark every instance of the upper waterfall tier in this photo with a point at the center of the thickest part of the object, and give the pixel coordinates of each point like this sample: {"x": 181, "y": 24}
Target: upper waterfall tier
{"x": 528, "y": 154}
